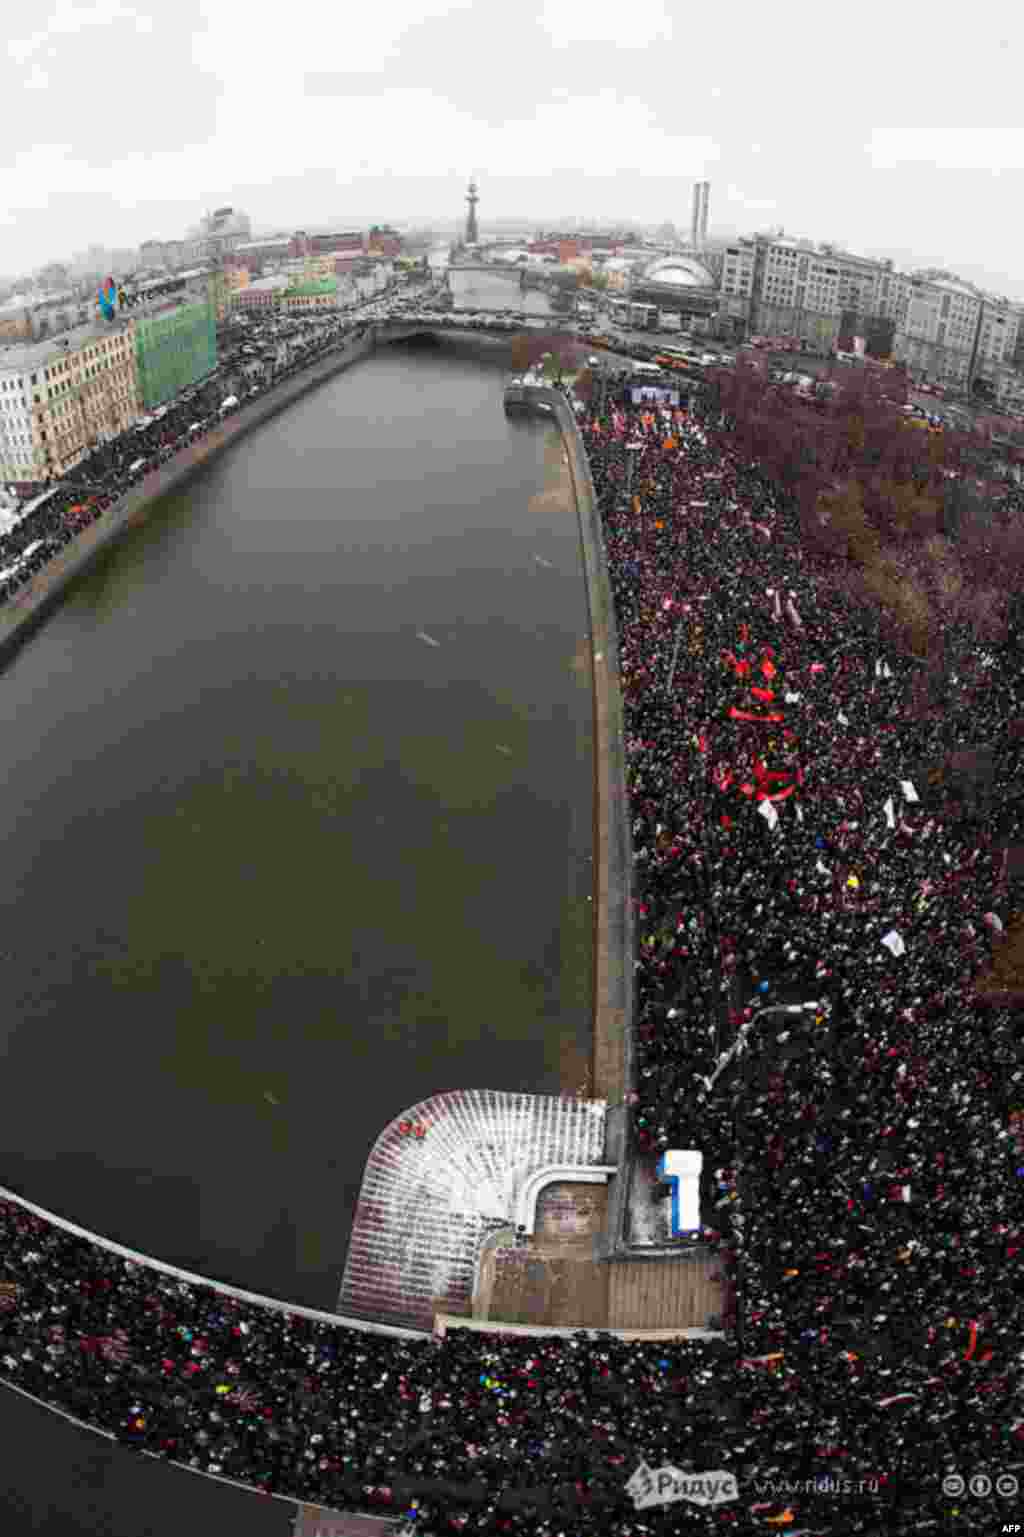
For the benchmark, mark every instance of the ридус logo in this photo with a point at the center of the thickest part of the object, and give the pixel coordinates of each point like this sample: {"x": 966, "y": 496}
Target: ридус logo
{"x": 665, "y": 1486}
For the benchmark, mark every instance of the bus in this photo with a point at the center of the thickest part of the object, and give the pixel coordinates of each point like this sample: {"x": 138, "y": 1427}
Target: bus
{"x": 683, "y": 358}
{"x": 643, "y": 317}
{"x": 674, "y": 360}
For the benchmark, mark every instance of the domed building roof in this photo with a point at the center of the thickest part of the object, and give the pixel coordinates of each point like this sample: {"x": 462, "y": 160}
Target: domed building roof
{"x": 680, "y": 272}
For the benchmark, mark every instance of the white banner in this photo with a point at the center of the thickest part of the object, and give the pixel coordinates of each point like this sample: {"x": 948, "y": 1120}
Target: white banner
{"x": 653, "y": 395}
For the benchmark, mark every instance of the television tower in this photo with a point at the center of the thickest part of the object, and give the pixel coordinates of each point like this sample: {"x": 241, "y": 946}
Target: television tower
{"x": 472, "y": 235}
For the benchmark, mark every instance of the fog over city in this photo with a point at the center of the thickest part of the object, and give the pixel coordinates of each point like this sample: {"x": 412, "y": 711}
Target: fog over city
{"x": 893, "y": 138}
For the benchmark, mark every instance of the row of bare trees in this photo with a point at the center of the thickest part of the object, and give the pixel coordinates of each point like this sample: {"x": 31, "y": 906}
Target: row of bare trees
{"x": 560, "y": 356}
{"x": 925, "y": 532}
{"x": 922, "y": 527}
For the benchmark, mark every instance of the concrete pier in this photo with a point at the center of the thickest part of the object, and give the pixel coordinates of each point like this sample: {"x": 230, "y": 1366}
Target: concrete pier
{"x": 427, "y": 1203}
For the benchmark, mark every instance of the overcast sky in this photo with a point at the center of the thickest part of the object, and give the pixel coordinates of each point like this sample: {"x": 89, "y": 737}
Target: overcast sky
{"x": 894, "y": 130}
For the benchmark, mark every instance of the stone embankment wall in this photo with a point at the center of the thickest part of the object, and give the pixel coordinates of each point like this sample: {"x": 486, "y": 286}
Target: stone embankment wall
{"x": 613, "y": 1068}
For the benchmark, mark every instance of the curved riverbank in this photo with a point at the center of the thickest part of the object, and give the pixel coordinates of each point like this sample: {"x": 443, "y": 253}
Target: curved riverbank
{"x": 612, "y": 1060}
{"x": 30, "y": 606}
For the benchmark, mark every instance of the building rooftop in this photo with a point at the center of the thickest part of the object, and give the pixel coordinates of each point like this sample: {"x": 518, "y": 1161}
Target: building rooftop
{"x": 162, "y": 304}
{"x": 38, "y": 296}
{"x": 935, "y": 280}
{"x": 265, "y": 240}
{"x": 681, "y": 271}
{"x": 315, "y": 286}
{"x": 29, "y": 355}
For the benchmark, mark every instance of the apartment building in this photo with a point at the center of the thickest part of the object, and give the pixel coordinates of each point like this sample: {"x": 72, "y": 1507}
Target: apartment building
{"x": 15, "y": 321}
{"x": 618, "y": 270}
{"x": 892, "y": 295}
{"x": 62, "y": 396}
{"x": 937, "y": 320}
{"x": 795, "y": 291}
{"x": 384, "y": 241}
{"x": 317, "y": 267}
{"x": 1018, "y": 351}
{"x": 17, "y": 449}
{"x": 264, "y": 253}
{"x": 944, "y": 330}
{"x": 1008, "y": 387}
{"x": 998, "y": 330}
{"x": 175, "y": 254}
{"x": 736, "y": 285}
{"x": 304, "y": 298}
{"x": 337, "y": 240}
{"x": 860, "y": 281}
{"x": 236, "y": 277}
{"x": 261, "y": 294}
{"x": 152, "y": 253}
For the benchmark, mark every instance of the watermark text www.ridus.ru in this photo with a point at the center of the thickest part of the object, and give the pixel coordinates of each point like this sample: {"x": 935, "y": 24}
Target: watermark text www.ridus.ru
{"x": 776, "y": 1487}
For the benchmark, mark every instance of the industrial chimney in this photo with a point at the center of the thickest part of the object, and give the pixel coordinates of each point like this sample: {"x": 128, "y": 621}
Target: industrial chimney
{"x": 699, "y": 215}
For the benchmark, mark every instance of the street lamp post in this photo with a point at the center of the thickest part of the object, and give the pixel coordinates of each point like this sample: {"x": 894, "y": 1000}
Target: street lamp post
{"x": 739, "y": 1045}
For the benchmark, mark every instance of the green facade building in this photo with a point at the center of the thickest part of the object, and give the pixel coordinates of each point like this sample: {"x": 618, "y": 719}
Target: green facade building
{"x": 173, "y": 349}
{"x": 312, "y": 288}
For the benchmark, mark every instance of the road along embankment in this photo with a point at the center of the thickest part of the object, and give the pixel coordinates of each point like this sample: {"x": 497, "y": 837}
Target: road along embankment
{"x": 22, "y": 614}
{"x": 613, "y": 1065}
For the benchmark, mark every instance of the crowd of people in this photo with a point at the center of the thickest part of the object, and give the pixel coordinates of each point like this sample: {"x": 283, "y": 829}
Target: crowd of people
{"x": 863, "y": 1156}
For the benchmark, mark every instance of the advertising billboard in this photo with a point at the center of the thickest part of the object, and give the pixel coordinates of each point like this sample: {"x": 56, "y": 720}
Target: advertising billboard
{"x": 653, "y": 395}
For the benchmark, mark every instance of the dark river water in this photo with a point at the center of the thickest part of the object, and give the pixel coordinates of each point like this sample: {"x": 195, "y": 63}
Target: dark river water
{"x": 275, "y": 867}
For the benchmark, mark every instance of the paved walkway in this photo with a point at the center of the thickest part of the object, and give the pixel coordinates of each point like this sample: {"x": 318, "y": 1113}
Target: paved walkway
{"x": 613, "y": 938}
{"x": 555, "y": 1279}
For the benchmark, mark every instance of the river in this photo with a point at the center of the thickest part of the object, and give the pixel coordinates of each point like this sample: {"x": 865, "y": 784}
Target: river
{"x": 276, "y": 867}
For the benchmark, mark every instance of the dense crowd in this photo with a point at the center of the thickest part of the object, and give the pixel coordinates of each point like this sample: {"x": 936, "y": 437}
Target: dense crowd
{"x": 864, "y": 1158}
